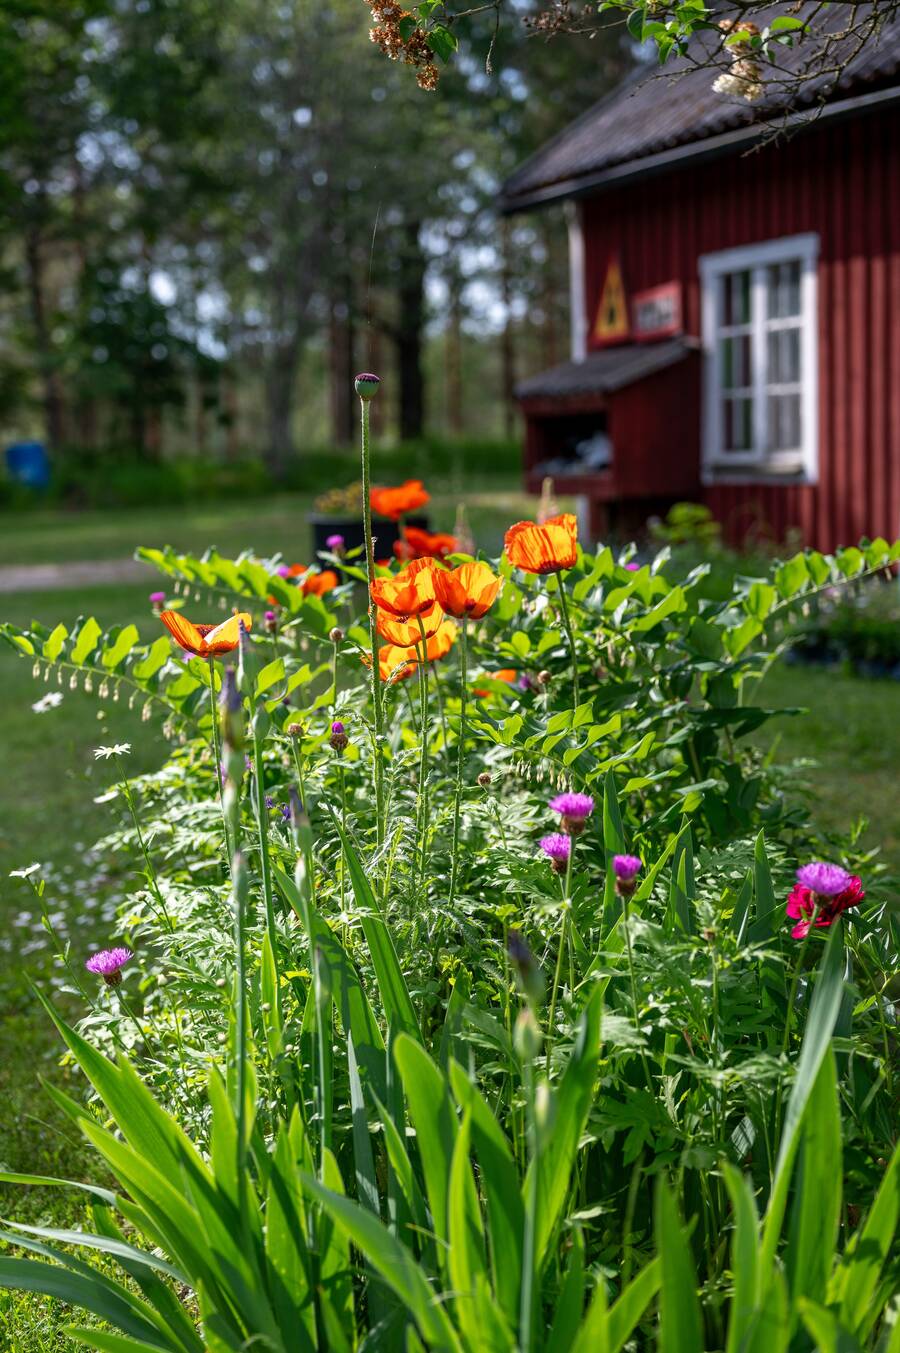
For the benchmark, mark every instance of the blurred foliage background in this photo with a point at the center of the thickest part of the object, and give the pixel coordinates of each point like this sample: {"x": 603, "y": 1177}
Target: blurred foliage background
{"x": 213, "y": 213}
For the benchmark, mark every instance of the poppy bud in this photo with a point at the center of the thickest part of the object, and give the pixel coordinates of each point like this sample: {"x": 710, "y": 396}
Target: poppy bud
{"x": 527, "y": 1035}
{"x": 484, "y": 779}
{"x": 366, "y": 385}
{"x": 336, "y": 635}
{"x": 528, "y": 972}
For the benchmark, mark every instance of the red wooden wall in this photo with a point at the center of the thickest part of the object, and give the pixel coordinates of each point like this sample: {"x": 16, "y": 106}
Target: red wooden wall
{"x": 841, "y": 180}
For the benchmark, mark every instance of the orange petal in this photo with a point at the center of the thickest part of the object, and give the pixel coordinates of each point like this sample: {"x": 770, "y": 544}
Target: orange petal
{"x": 226, "y": 637}
{"x": 183, "y": 632}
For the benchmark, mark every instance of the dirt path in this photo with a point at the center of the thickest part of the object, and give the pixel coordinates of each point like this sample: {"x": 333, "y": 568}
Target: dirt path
{"x": 84, "y": 573}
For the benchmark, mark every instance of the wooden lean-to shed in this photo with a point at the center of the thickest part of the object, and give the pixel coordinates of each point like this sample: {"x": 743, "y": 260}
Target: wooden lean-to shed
{"x": 735, "y": 301}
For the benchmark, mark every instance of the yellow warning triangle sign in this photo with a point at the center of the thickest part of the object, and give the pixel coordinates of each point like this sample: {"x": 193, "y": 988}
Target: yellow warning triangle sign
{"x": 611, "y": 324}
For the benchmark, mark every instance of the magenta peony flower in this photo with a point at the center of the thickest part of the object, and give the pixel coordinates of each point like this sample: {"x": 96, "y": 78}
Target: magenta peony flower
{"x": 108, "y": 964}
{"x": 826, "y": 880}
{"x": 803, "y": 902}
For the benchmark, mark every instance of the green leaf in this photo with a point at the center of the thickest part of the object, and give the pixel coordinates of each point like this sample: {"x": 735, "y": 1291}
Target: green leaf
{"x": 98, "y": 1295}
{"x": 680, "y": 1325}
{"x": 272, "y": 672}
{"x": 86, "y": 637}
{"x": 823, "y": 1012}
{"x": 817, "y": 1191}
{"x": 431, "y": 1111}
{"x": 398, "y": 1007}
{"x": 744, "y": 1260}
{"x": 856, "y": 1281}
{"x": 573, "y": 1101}
{"x": 465, "y": 1253}
{"x": 124, "y": 642}
{"x": 393, "y": 1261}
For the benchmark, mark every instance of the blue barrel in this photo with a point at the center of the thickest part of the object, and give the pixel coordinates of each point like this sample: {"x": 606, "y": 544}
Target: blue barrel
{"x": 28, "y": 463}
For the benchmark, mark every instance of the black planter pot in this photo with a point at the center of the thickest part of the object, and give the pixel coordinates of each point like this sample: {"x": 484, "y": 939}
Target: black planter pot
{"x": 386, "y": 533}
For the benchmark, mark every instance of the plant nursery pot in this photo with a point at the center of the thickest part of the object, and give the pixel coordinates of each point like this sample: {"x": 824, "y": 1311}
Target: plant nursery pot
{"x": 386, "y": 533}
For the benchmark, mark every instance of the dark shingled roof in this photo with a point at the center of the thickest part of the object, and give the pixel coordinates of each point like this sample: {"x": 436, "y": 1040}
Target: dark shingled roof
{"x": 605, "y": 371}
{"x": 639, "y": 126}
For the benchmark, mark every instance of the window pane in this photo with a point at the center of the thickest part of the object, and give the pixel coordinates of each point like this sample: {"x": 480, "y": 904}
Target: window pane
{"x": 783, "y": 288}
{"x": 784, "y": 423}
{"x": 737, "y": 419}
{"x": 783, "y": 356}
{"x": 735, "y": 358}
{"x": 736, "y": 298}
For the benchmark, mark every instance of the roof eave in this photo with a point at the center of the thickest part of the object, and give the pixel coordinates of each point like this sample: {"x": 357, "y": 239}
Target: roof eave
{"x": 710, "y": 147}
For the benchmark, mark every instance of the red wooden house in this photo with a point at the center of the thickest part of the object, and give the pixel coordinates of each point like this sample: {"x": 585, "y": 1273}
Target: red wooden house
{"x": 735, "y": 301}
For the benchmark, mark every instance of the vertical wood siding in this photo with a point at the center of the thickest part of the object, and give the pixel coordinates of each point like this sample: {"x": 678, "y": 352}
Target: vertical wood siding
{"x": 842, "y": 181}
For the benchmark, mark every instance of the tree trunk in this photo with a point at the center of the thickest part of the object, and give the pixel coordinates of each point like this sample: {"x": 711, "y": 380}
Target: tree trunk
{"x": 453, "y": 371}
{"x": 507, "y": 348}
{"x": 280, "y": 374}
{"x": 410, "y": 334}
{"x": 52, "y": 393}
{"x": 341, "y": 373}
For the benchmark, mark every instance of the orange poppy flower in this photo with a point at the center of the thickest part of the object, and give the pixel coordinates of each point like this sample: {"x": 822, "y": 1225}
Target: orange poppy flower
{"x": 315, "y": 583}
{"x": 409, "y": 593}
{"x": 438, "y": 646}
{"x": 543, "y": 549}
{"x": 419, "y": 544}
{"x": 395, "y": 503}
{"x": 205, "y": 641}
{"x": 507, "y": 674}
{"x": 406, "y": 633}
{"x": 469, "y": 590}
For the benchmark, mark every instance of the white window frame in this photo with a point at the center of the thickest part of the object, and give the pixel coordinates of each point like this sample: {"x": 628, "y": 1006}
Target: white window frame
{"x": 756, "y": 462}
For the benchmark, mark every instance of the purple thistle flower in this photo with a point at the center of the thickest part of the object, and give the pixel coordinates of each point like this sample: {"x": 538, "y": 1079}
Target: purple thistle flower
{"x": 108, "y": 964}
{"x": 826, "y": 880}
{"x": 632, "y": 566}
{"x": 270, "y": 616}
{"x": 337, "y": 726}
{"x": 626, "y": 867}
{"x": 557, "y": 848}
{"x": 335, "y": 543}
{"x": 574, "y": 809}
{"x": 285, "y": 810}
{"x": 157, "y": 598}
{"x": 283, "y": 571}
{"x": 270, "y": 802}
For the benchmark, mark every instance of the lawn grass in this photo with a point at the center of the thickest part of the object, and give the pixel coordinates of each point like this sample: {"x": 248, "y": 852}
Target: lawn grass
{"x": 851, "y": 734}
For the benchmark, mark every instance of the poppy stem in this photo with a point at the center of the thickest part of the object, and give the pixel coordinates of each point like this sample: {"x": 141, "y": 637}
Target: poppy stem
{"x": 377, "y": 711}
{"x": 563, "y": 944}
{"x": 460, "y": 757}
{"x": 217, "y": 755}
{"x": 421, "y": 806}
{"x": 567, "y": 625}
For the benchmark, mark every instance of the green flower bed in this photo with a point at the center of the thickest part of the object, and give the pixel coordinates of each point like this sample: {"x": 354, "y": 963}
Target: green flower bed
{"x": 472, "y": 1003}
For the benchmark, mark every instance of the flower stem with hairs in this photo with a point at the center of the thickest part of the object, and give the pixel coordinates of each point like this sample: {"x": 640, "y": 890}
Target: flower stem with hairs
{"x": 563, "y": 945}
{"x": 567, "y": 625}
{"x": 217, "y": 756}
{"x": 377, "y": 710}
{"x": 460, "y": 758}
{"x": 421, "y": 803}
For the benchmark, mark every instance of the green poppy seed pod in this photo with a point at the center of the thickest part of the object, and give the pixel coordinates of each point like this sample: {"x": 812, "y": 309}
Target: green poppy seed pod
{"x": 366, "y": 385}
{"x": 544, "y": 1110}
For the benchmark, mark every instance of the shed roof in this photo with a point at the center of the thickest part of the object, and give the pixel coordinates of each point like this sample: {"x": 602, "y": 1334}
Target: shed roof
{"x": 605, "y": 371}
{"x": 659, "y": 117}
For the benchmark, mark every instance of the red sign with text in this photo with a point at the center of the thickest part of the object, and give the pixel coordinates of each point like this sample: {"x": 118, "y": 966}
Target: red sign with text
{"x": 656, "y": 313}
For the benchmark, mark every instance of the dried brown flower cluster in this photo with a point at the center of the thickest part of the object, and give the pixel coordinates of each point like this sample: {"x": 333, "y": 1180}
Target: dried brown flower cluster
{"x": 556, "y": 18}
{"x": 412, "y": 49}
{"x": 744, "y": 80}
